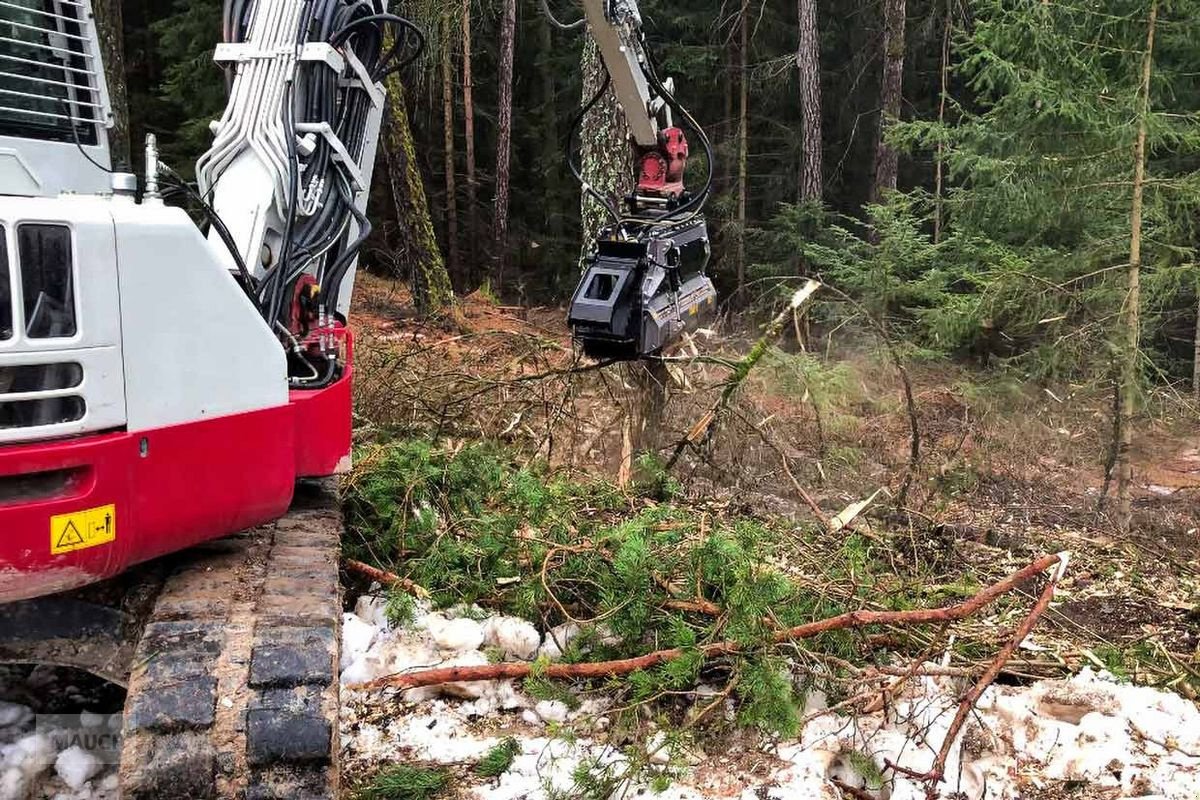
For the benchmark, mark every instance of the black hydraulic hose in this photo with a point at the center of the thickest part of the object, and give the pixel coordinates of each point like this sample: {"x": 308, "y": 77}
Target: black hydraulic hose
{"x": 577, "y": 171}
{"x": 174, "y": 180}
{"x": 338, "y": 272}
{"x": 562, "y": 26}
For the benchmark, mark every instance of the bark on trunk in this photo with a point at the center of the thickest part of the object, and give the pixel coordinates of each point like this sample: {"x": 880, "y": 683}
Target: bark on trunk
{"x": 940, "y": 169}
{"x": 447, "y": 67}
{"x": 607, "y": 158}
{"x": 508, "y": 30}
{"x": 743, "y": 146}
{"x": 1132, "y": 316}
{"x": 808, "y": 59}
{"x": 418, "y": 249}
{"x": 887, "y": 160}
{"x": 551, "y": 138}
{"x": 110, "y": 26}
{"x": 1196, "y": 357}
{"x": 469, "y": 134}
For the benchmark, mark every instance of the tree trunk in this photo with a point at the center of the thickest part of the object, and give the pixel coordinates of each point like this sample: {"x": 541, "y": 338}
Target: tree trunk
{"x": 469, "y": 135}
{"x": 808, "y": 59}
{"x": 447, "y": 65}
{"x": 110, "y": 27}
{"x": 508, "y": 32}
{"x": 743, "y": 147}
{"x": 1132, "y": 318}
{"x": 939, "y": 180}
{"x": 887, "y": 160}
{"x": 606, "y": 158}
{"x": 551, "y": 138}
{"x": 418, "y": 248}
{"x": 1196, "y": 356}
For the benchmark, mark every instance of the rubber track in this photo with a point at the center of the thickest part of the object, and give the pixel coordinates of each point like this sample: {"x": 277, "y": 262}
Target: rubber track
{"x": 234, "y": 692}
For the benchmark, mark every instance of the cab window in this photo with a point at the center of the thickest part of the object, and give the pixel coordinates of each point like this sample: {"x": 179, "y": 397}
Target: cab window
{"x": 47, "y": 280}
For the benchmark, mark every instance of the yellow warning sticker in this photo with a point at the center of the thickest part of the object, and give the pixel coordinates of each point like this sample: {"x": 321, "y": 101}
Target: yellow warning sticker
{"x": 83, "y": 529}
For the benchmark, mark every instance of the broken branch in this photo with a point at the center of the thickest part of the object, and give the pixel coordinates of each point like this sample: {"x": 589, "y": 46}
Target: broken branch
{"x": 606, "y": 669}
{"x": 388, "y": 579}
{"x": 703, "y": 429}
{"x": 937, "y": 772}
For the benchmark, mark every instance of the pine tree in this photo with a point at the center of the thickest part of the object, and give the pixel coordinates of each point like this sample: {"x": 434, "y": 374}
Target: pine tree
{"x": 808, "y": 59}
{"x": 891, "y": 95}
{"x": 508, "y": 34}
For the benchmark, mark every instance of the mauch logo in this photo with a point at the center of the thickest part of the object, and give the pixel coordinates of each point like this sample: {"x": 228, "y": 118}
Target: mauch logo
{"x": 98, "y": 735}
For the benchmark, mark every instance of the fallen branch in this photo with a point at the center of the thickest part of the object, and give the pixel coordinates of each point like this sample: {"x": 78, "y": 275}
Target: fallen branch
{"x": 937, "y": 773}
{"x": 388, "y": 579}
{"x": 606, "y": 669}
{"x": 703, "y": 429}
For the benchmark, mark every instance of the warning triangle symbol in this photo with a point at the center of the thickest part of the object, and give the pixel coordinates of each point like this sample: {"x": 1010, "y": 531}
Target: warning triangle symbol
{"x": 70, "y": 536}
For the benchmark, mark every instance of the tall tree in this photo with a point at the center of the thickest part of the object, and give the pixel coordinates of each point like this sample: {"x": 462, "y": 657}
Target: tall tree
{"x": 1196, "y": 350}
{"x": 808, "y": 59}
{"x": 110, "y": 27}
{"x": 743, "y": 186}
{"x": 417, "y": 252}
{"x": 606, "y": 158}
{"x": 449, "y": 20}
{"x": 939, "y": 180}
{"x": 887, "y": 158}
{"x": 469, "y": 136}
{"x": 1131, "y": 357}
{"x": 508, "y": 32}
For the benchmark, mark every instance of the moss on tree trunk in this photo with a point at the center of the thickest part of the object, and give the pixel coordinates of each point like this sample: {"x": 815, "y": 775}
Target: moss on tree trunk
{"x": 418, "y": 243}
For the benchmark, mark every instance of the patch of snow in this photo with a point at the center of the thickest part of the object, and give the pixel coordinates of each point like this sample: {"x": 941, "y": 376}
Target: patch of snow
{"x": 13, "y": 715}
{"x": 372, "y": 610}
{"x": 552, "y": 711}
{"x": 1090, "y": 729}
{"x": 558, "y": 639}
{"x": 456, "y": 635}
{"x": 515, "y": 638}
{"x": 77, "y": 766}
{"x": 357, "y": 636}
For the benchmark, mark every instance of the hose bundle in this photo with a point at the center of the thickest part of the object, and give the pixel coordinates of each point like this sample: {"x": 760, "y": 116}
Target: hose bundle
{"x": 317, "y": 238}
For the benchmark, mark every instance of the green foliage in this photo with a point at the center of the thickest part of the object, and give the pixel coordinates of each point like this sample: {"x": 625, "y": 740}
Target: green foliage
{"x": 865, "y": 766}
{"x": 769, "y": 699}
{"x": 401, "y": 608}
{"x": 654, "y": 480}
{"x": 406, "y": 782}
{"x": 458, "y": 521}
{"x": 499, "y": 759}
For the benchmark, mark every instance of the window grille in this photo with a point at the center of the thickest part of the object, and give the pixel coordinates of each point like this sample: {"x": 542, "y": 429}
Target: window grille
{"x": 49, "y": 77}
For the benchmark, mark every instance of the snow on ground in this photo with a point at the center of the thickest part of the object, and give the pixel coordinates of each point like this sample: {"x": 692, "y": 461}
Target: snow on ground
{"x": 1091, "y": 730}
{"x": 48, "y": 764}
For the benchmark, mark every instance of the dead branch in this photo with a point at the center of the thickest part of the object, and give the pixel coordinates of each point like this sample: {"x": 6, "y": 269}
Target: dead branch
{"x": 704, "y": 428}
{"x": 967, "y": 704}
{"x": 388, "y": 579}
{"x": 606, "y": 669}
{"x": 852, "y": 791}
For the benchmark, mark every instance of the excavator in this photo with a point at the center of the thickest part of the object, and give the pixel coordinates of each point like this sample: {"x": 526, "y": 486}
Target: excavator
{"x": 175, "y": 399}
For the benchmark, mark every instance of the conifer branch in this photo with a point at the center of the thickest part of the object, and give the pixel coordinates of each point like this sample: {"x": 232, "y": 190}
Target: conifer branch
{"x": 852, "y": 620}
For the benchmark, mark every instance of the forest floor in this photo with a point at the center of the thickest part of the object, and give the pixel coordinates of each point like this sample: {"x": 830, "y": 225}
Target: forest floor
{"x": 1007, "y": 471}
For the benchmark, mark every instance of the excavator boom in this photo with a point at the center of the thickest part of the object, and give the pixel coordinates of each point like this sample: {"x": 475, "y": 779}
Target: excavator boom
{"x": 645, "y": 283}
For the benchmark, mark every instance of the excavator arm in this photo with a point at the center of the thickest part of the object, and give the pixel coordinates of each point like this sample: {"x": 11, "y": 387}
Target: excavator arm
{"x": 645, "y": 283}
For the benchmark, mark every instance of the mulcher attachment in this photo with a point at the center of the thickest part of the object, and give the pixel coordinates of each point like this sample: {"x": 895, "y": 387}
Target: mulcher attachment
{"x": 642, "y": 293}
